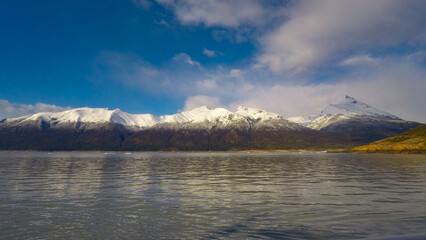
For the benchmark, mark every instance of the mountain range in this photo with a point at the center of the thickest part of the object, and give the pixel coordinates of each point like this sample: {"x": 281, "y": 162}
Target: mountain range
{"x": 343, "y": 125}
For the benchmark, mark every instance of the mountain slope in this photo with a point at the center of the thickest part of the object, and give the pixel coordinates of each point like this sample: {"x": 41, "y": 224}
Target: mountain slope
{"x": 413, "y": 140}
{"x": 198, "y": 129}
{"x": 351, "y": 106}
{"x": 346, "y": 109}
{"x": 198, "y": 117}
{"x": 343, "y": 125}
{"x": 356, "y": 121}
{"x": 86, "y": 115}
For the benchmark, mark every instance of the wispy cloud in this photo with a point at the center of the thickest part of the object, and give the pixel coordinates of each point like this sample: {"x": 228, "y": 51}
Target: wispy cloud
{"x": 418, "y": 56}
{"x": 11, "y": 110}
{"x": 201, "y": 100}
{"x": 162, "y": 22}
{"x": 306, "y": 54}
{"x": 235, "y": 73}
{"x": 175, "y": 77}
{"x": 396, "y": 86}
{"x": 209, "y": 53}
{"x": 183, "y": 57}
{"x": 216, "y": 12}
{"x": 361, "y": 60}
{"x": 321, "y": 33}
{"x": 302, "y": 37}
{"x": 207, "y": 84}
{"x": 145, "y": 4}
{"x": 178, "y": 77}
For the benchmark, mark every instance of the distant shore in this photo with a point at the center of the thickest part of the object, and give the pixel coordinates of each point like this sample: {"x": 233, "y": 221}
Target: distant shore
{"x": 239, "y": 151}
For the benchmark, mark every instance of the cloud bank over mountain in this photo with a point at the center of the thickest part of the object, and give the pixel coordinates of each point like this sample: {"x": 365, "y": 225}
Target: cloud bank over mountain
{"x": 318, "y": 51}
{"x": 160, "y": 56}
{"x": 11, "y": 110}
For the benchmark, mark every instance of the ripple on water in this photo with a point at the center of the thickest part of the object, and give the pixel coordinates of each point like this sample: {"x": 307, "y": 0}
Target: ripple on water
{"x": 210, "y": 195}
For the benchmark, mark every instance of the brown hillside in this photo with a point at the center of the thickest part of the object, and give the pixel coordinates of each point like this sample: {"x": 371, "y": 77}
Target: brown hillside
{"x": 413, "y": 140}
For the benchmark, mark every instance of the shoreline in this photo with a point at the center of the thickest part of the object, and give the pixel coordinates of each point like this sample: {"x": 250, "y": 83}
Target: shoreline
{"x": 350, "y": 151}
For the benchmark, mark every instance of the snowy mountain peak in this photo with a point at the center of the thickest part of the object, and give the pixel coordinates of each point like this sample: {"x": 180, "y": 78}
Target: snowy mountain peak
{"x": 203, "y": 114}
{"x": 84, "y": 114}
{"x": 351, "y": 106}
{"x": 198, "y": 115}
{"x": 349, "y": 99}
{"x": 256, "y": 113}
{"x": 348, "y": 108}
{"x": 92, "y": 115}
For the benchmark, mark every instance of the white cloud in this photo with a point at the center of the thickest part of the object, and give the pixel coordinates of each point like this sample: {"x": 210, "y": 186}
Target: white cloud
{"x": 235, "y": 73}
{"x": 361, "y": 60}
{"x": 174, "y": 77}
{"x": 393, "y": 84}
{"x": 183, "y": 57}
{"x": 11, "y": 110}
{"x": 417, "y": 56}
{"x": 216, "y": 12}
{"x": 290, "y": 100}
{"x": 396, "y": 86}
{"x": 301, "y": 37}
{"x": 209, "y": 53}
{"x": 207, "y": 84}
{"x": 201, "y": 100}
{"x": 322, "y": 32}
{"x": 129, "y": 69}
{"x": 180, "y": 76}
{"x": 145, "y": 4}
{"x": 162, "y": 22}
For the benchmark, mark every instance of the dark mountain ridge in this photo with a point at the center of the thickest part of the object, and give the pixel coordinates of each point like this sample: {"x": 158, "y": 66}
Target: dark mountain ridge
{"x": 112, "y": 136}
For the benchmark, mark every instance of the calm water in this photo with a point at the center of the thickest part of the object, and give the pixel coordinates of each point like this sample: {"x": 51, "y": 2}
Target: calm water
{"x": 210, "y": 195}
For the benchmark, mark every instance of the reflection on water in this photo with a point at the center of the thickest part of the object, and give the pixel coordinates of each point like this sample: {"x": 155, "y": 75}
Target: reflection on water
{"x": 210, "y": 195}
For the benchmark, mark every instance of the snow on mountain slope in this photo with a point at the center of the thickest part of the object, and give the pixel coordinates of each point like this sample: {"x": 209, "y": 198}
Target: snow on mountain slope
{"x": 255, "y": 113}
{"x": 74, "y": 115}
{"x": 326, "y": 120}
{"x": 202, "y": 114}
{"x": 91, "y": 115}
{"x": 266, "y": 120}
{"x": 137, "y": 120}
{"x": 351, "y": 106}
{"x": 342, "y": 111}
{"x": 220, "y": 116}
{"x": 304, "y": 121}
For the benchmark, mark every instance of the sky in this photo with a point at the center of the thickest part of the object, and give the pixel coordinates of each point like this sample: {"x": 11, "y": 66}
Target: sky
{"x": 166, "y": 56}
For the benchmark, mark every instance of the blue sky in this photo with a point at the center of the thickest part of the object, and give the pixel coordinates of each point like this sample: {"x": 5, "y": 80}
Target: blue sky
{"x": 164, "y": 56}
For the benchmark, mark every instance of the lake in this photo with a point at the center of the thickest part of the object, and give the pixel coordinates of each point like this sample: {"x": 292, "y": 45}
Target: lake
{"x": 107, "y": 195}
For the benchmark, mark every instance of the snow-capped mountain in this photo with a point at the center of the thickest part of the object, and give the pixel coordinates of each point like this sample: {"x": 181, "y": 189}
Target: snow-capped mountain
{"x": 198, "y": 117}
{"x": 355, "y": 119}
{"x": 89, "y": 115}
{"x": 198, "y": 129}
{"x": 351, "y": 106}
{"x": 340, "y": 125}
{"x": 344, "y": 110}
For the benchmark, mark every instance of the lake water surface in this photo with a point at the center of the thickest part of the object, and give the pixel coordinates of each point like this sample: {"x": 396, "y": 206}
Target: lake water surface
{"x": 80, "y": 195}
